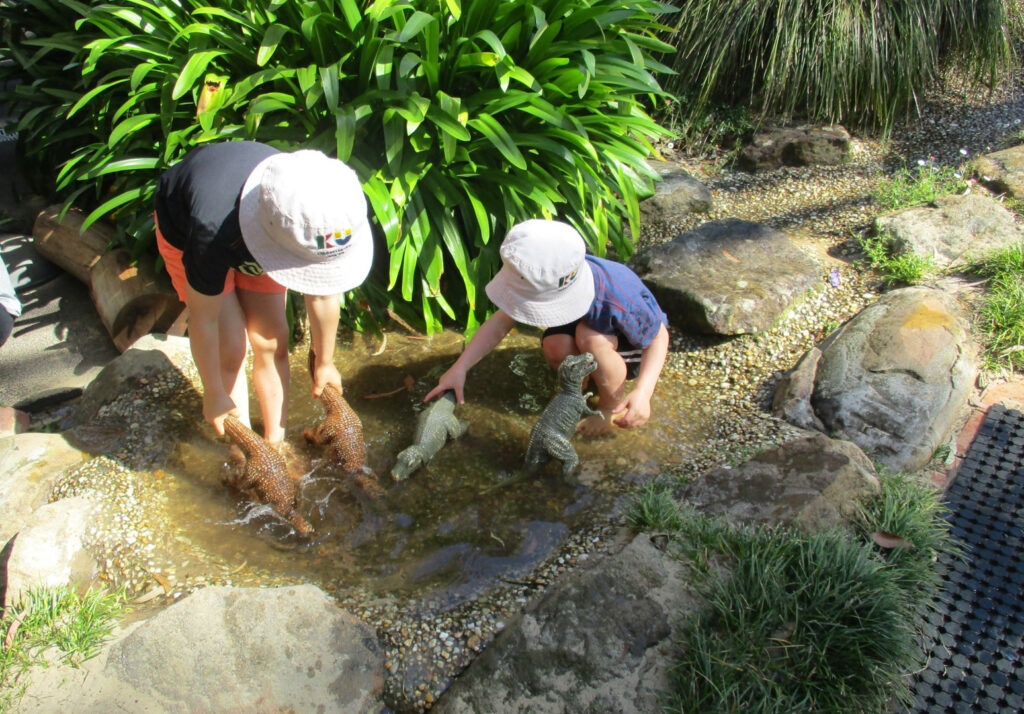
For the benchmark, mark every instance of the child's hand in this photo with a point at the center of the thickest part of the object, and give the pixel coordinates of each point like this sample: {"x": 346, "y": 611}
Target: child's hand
{"x": 324, "y": 374}
{"x": 637, "y": 408}
{"x": 216, "y": 406}
{"x": 454, "y": 378}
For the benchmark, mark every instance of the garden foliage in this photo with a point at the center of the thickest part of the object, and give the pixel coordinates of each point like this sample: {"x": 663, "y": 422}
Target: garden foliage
{"x": 860, "y": 62}
{"x": 461, "y": 117}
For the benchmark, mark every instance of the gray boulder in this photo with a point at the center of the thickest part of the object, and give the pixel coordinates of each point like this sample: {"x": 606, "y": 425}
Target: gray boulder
{"x": 676, "y": 195}
{"x": 796, "y": 146}
{"x": 814, "y": 482}
{"x": 1003, "y": 171}
{"x": 727, "y": 277}
{"x": 950, "y": 230}
{"x": 30, "y": 465}
{"x": 150, "y": 356}
{"x": 49, "y": 551}
{"x": 893, "y": 379}
{"x": 227, "y": 650}
{"x": 598, "y": 642}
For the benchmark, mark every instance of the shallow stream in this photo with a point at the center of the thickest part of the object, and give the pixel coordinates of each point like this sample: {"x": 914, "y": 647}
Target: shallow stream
{"x": 455, "y": 527}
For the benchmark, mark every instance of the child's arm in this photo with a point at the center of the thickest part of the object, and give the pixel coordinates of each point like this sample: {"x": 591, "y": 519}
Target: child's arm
{"x": 637, "y": 403}
{"x": 323, "y": 312}
{"x": 204, "y": 339}
{"x": 486, "y": 339}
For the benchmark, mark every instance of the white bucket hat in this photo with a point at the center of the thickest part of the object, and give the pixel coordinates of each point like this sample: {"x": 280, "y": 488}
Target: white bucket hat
{"x": 303, "y": 217}
{"x": 544, "y": 279}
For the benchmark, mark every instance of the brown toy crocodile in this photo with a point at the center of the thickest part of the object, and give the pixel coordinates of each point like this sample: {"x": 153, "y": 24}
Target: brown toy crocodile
{"x": 265, "y": 474}
{"x": 342, "y": 431}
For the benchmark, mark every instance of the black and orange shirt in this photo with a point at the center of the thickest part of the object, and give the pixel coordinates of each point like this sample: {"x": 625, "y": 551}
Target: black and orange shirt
{"x": 197, "y": 211}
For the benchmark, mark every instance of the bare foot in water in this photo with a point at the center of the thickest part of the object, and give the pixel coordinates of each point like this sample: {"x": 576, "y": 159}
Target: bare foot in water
{"x": 294, "y": 464}
{"x": 596, "y": 425}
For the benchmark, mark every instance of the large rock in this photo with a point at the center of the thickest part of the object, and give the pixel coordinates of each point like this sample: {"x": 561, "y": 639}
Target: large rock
{"x": 796, "y": 146}
{"x": 139, "y": 400}
{"x": 950, "y": 230}
{"x": 30, "y": 465}
{"x": 227, "y": 650}
{"x": 727, "y": 277}
{"x": 815, "y": 482}
{"x": 49, "y": 551}
{"x": 1003, "y": 171}
{"x": 893, "y": 379}
{"x": 676, "y": 196}
{"x": 150, "y": 357}
{"x": 599, "y": 642}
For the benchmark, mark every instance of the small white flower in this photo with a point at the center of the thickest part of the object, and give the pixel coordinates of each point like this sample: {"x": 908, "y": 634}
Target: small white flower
{"x": 921, "y": 162}
{"x": 963, "y": 152}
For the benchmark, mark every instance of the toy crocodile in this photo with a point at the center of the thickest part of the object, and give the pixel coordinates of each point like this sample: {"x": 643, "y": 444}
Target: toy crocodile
{"x": 550, "y": 436}
{"x": 341, "y": 429}
{"x": 434, "y": 427}
{"x": 265, "y": 474}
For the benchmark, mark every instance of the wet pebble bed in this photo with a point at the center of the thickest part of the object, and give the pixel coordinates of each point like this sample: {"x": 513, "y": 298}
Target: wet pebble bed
{"x": 824, "y": 209}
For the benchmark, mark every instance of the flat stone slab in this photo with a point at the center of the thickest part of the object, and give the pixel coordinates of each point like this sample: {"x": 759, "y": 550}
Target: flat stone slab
{"x": 30, "y": 465}
{"x": 951, "y": 230}
{"x": 1003, "y": 171}
{"x": 727, "y": 277}
{"x": 814, "y": 482}
{"x": 676, "y": 196}
{"x": 226, "y": 649}
{"x": 796, "y": 146}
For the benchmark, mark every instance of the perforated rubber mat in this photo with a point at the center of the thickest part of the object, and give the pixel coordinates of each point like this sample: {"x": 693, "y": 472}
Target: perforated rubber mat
{"x": 976, "y": 632}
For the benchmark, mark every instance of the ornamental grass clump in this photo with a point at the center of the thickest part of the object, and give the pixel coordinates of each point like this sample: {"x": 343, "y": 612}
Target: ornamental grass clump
{"x": 858, "y": 62}
{"x": 461, "y": 118}
{"x": 801, "y": 623}
{"x": 828, "y": 622}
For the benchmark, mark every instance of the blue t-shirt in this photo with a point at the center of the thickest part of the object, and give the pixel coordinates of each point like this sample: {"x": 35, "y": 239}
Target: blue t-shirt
{"x": 622, "y": 304}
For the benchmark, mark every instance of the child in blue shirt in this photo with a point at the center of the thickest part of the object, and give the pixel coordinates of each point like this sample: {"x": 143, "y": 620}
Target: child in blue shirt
{"x": 587, "y": 304}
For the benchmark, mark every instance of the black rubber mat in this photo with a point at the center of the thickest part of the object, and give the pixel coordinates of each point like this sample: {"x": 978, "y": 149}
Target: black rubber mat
{"x": 976, "y": 631}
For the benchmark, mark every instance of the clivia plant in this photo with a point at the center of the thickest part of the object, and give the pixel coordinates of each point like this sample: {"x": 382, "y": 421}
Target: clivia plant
{"x": 460, "y": 117}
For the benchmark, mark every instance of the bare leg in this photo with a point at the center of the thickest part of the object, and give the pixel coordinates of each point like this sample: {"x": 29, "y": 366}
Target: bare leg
{"x": 556, "y": 348}
{"x": 267, "y": 327}
{"x": 609, "y": 377}
{"x": 233, "y": 344}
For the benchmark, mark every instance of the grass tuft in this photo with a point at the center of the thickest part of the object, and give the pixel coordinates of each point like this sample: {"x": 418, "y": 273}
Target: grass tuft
{"x": 1001, "y": 315}
{"x": 914, "y": 187}
{"x": 911, "y": 509}
{"x": 52, "y": 617}
{"x": 654, "y": 509}
{"x": 896, "y": 268}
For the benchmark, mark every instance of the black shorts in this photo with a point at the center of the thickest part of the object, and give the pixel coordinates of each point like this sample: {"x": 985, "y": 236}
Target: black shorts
{"x": 627, "y": 350}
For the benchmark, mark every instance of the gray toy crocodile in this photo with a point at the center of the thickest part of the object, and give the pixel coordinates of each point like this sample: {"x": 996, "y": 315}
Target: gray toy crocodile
{"x": 550, "y": 436}
{"x": 435, "y": 425}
